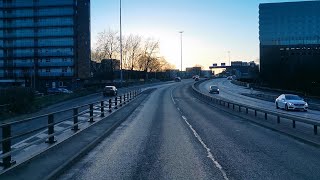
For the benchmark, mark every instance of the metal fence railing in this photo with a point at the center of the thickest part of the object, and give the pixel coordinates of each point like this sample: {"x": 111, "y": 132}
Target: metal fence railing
{"x": 246, "y": 108}
{"x": 95, "y": 109}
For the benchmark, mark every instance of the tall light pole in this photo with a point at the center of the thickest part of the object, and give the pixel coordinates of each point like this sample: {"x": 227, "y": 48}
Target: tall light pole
{"x": 229, "y": 57}
{"x": 121, "y": 78}
{"x": 181, "y": 47}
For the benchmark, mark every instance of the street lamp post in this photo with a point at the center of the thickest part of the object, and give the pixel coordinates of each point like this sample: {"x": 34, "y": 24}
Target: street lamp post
{"x": 121, "y": 78}
{"x": 181, "y": 48}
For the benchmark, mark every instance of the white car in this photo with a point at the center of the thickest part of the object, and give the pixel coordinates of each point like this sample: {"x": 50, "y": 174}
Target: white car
{"x": 291, "y": 102}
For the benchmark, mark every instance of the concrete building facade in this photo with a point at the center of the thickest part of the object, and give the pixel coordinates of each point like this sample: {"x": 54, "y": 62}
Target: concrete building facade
{"x": 289, "y": 35}
{"x": 44, "y": 43}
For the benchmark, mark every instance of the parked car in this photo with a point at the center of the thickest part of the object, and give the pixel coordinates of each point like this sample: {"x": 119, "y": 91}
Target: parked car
{"x": 64, "y": 91}
{"x": 38, "y": 94}
{"x": 110, "y": 91}
{"x": 214, "y": 89}
{"x": 291, "y": 102}
{"x": 58, "y": 91}
{"x": 177, "y": 79}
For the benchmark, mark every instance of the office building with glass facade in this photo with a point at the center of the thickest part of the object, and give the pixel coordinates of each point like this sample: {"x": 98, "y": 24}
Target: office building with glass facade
{"x": 289, "y": 36}
{"x": 44, "y": 43}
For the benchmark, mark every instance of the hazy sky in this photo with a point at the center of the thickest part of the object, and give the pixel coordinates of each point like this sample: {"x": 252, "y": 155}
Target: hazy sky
{"x": 211, "y": 27}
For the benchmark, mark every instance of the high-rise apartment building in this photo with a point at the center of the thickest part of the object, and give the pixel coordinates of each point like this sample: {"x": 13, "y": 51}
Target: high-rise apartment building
{"x": 44, "y": 43}
{"x": 290, "y": 43}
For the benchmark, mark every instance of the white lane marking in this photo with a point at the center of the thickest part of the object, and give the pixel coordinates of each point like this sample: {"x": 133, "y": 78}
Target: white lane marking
{"x": 216, "y": 163}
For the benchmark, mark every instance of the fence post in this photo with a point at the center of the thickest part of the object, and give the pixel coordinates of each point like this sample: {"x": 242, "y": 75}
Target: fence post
{"x": 130, "y": 95}
{"x": 315, "y": 129}
{"x": 91, "y": 113}
{"x": 255, "y": 112}
{"x": 239, "y": 108}
{"x": 120, "y": 101}
{"x": 228, "y": 105}
{"x": 247, "y": 111}
{"x": 265, "y": 116}
{"x": 293, "y": 124}
{"x": 278, "y": 119}
{"x": 51, "y": 139}
{"x": 124, "y": 98}
{"x": 116, "y": 103}
{"x": 75, "y": 119}
{"x": 110, "y": 104}
{"x": 233, "y": 106}
{"x": 102, "y": 108}
{"x": 6, "y": 146}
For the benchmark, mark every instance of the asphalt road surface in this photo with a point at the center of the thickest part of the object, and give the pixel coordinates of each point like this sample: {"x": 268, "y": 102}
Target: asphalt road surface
{"x": 233, "y": 93}
{"x": 172, "y": 135}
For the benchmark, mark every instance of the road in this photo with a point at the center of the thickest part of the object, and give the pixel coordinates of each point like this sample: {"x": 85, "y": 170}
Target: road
{"x": 172, "y": 135}
{"x": 233, "y": 93}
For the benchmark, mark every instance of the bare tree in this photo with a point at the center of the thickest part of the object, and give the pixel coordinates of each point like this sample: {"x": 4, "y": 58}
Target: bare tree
{"x": 108, "y": 44}
{"x": 149, "y": 52}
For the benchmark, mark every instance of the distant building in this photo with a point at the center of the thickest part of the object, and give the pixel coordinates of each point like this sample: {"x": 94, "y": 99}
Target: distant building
{"x": 194, "y": 70}
{"x": 105, "y": 69}
{"x": 289, "y": 36}
{"x": 44, "y": 43}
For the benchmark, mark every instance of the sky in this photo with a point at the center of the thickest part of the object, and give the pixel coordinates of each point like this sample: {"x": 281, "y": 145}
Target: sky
{"x": 211, "y": 27}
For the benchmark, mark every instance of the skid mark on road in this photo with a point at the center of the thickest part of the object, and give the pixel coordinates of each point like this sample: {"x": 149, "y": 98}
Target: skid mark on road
{"x": 209, "y": 154}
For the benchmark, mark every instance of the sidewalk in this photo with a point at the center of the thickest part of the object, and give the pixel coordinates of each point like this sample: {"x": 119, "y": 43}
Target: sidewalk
{"x": 58, "y": 157}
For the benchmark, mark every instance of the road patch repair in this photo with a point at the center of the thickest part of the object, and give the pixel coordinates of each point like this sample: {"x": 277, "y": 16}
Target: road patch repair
{"x": 53, "y": 161}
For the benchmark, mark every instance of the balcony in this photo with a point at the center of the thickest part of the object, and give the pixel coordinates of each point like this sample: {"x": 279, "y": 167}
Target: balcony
{"x": 51, "y": 64}
{"x": 55, "y": 74}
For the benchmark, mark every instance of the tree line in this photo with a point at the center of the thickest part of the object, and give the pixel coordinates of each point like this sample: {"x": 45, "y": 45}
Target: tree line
{"x": 138, "y": 53}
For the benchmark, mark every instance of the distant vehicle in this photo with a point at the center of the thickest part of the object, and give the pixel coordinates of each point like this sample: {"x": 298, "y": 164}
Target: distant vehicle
{"x": 58, "y": 91}
{"x": 229, "y": 78}
{"x": 110, "y": 90}
{"x": 214, "y": 89}
{"x": 38, "y": 94}
{"x": 64, "y": 91}
{"x": 177, "y": 79}
{"x": 291, "y": 102}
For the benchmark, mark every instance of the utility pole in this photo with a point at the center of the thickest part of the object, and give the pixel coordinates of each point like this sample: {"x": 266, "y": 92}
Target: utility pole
{"x": 229, "y": 58}
{"x": 121, "y": 78}
{"x": 181, "y": 48}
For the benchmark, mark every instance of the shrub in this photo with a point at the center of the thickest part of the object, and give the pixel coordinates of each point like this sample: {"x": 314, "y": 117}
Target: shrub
{"x": 19, "y": 99}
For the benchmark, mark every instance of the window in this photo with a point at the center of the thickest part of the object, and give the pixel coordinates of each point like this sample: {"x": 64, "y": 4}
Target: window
{"x": 61, "y": 84}
{"x": 47, "y": 60}
{"x": 64, "y": 69}
{"x": 47, "y": 70}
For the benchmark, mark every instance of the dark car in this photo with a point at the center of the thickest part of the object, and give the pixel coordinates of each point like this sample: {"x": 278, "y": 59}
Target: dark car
{"x": 110, "y": 91}
{"x": 177, "y": 79}
{"x": 214, "y": 89}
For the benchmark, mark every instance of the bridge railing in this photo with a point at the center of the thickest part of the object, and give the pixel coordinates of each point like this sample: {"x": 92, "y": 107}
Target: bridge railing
{"x": 246, "y": 108}
{"x": 10, "y": 134}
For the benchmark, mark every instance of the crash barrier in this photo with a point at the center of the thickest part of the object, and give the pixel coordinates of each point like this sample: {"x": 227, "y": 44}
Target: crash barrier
{"x": 246, "y": 108}
{"x": 95, "y": 109}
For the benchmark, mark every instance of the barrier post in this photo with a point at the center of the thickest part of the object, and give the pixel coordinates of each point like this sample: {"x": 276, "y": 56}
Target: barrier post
{"x": 75, "y": 119}
{"x": 51, "y": 139}
{"x": 91, "y": 113}
{"x": 6, "y": 146}
{"x": 102, "y": 108}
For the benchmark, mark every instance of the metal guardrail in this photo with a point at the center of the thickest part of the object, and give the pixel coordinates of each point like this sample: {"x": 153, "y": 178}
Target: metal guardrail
{"x": 102, "y": 106}
{"x": 234, "y": 105}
